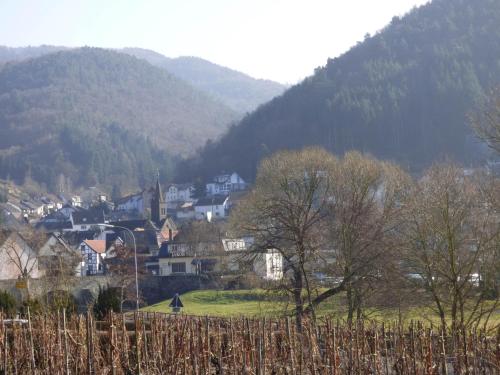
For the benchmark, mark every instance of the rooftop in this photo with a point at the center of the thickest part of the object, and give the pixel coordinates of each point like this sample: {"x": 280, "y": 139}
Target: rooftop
{"x": 99, "y": 246}
{"x": 211, "y": 201}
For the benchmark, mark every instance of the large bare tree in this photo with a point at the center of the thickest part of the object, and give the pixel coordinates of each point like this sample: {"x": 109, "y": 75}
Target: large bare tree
{"x": 450, "y": 241}
{"x": 285, "y": 212}
{"x": 363, "y": 212}
{"x": 326, "y": 216}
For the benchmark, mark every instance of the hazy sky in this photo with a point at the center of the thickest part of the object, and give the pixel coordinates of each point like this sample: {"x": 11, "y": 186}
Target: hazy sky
{"x": 283, "y": 40}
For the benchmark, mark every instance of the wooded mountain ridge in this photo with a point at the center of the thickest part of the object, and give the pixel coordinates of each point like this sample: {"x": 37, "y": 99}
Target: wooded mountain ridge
{"x": 99, "y": 117}
{"x": 403, "y": 94}
{"x": 236, "y": 90}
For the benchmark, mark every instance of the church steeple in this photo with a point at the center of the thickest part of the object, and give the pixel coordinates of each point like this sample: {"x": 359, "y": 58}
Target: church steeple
{"x": 158, "y": 204}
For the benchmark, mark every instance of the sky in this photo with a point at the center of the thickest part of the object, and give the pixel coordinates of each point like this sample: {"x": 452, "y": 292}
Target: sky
{"x": 281, "y": 40}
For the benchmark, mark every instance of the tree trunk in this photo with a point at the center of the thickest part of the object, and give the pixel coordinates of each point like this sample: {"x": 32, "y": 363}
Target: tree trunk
{"x": 297, "y": 295}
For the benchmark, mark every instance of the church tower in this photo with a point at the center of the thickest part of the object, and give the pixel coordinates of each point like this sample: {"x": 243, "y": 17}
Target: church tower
{"x": 158, "y": 204}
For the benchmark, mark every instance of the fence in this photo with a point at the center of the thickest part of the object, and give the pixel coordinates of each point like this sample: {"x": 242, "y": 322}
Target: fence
{"x": 147, "y": 343}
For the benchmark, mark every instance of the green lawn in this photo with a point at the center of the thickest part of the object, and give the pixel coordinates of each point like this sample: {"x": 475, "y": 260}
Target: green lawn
{"x": 225, "y": 303}
{"x": 259, "y": 303}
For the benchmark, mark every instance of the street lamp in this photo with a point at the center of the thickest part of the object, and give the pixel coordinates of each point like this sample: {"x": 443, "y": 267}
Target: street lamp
{"x": 135, "y": 260}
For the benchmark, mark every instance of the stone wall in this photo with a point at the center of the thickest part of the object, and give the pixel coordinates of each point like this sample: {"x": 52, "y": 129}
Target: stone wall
{"x": 84, "y": 289}
{"x": 153, "y": 289}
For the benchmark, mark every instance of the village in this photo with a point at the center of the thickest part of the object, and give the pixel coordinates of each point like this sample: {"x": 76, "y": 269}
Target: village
{"x": 172, "y": 241}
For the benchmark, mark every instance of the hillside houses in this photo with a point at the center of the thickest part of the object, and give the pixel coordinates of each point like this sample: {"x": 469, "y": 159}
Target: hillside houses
{"x": 93, "y": 254}
{"x": 202, "y": 249}
{"x": 138, "y": 202}
{"x": 265, "y": 264}
{"x": 214, "y": 207}
{"x": 176, "y": 193}
{"x": 225, "y": 183}
{"x": 174, "y": 234}
{"x": 86, "y": 220}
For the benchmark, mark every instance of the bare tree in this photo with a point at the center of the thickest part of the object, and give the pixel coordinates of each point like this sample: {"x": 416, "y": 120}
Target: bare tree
{"x": 120, "y": 264}
{"x": 285, "y": 212}
{"x": 451, "y": 239}
{"x": 59, "y": 263}
{"x": 363, "y": 212}
{"x": 486, "y": 121}
{"x": 21, "y": 250}
{"x": 329, "y": 216}
{"x": 20, "y": 254}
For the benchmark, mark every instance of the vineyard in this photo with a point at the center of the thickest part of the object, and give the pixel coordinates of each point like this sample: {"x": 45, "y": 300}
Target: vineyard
{"x": 147, "y": 343}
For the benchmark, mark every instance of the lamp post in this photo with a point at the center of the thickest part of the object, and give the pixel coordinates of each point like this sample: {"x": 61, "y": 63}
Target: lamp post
{"x": 135, "y": 260}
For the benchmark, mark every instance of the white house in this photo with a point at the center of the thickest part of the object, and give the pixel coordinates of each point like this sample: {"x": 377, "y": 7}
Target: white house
{"x": 180, "y": 258}
{"x": 220, "y": 256}
{"x": 179, "y": 193}
{"x": 93, "y": 253}
{"x": 268, "y": 264}
{"x": 215, "y": 207}
{"x": 32, "y": 208}
{"x": 225, "y": 183}
{"x": 185, "y": 211}
{"x": 76, "y": 201}
{"x": 85, "y": 220}
{"x": 134, "y": 202}
{"x": 139, "y": 202}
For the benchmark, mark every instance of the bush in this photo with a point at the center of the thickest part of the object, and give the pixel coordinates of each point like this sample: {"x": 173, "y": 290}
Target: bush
{"x": 247, "y": 280}
{"x": 107, "y": 300}
{"x": 61, "y": 299}
{"x": 7, "y": 303}
{"x": 35, "y": 306}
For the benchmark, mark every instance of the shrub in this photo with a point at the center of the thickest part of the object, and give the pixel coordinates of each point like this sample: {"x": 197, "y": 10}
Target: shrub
{"x": 61, "y": 299}
{"x": 7, "y": 303}
{"x": 34, "y": 304}
{"x": 108, "y": 300}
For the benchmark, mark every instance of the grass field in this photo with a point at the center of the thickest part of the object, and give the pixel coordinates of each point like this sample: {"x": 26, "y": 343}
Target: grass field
{"x": 225, "y": 303}
{"x": 259, "y": 303}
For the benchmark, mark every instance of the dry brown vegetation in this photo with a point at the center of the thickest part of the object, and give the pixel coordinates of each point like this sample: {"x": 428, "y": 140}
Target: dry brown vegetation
{"x": 383, "y": 238}
{"x": 168, "y": 344}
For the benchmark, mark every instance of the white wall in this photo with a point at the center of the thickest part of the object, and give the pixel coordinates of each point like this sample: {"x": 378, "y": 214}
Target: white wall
{"x": 218, "y": 211}
{"x": 12, "y": 249}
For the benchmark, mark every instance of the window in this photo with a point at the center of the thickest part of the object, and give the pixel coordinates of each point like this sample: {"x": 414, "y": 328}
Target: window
{"x": 207, "y": 267}
{"x": 163, "y": 211}
{"x": 179, "y": 267}
{"x": 83, "y": 227}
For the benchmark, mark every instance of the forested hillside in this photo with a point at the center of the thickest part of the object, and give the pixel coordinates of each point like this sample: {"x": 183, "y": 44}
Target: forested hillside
{"x": 403, "y": 94}
{"x": 237, "y": 90}
{"x": 98, "y": 117}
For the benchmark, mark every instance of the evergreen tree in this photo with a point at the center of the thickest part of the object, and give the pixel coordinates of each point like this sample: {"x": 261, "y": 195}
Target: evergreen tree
{"x": 108, "y": 300}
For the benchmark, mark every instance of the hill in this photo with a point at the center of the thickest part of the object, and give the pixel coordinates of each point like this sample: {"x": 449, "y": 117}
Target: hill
{"x": 403, "y": 94}
{"x": 237, "y": 90}
{"x": 98, "y": 117}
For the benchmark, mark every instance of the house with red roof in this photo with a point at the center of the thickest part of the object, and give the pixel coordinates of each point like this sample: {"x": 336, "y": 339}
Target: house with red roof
{"x": 93, "y": 254}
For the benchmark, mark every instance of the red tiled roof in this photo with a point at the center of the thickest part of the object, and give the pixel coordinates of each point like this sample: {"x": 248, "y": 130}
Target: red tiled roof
{"x": 99, "y": 246}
